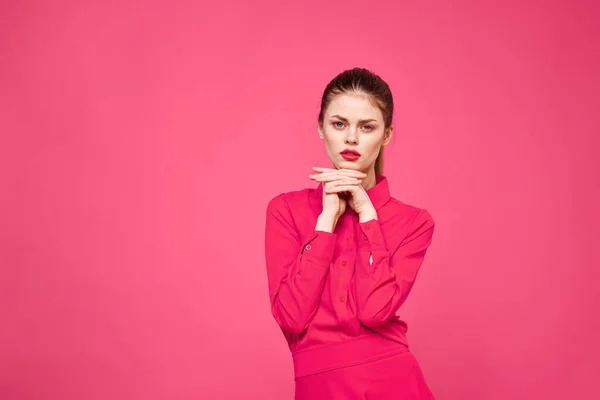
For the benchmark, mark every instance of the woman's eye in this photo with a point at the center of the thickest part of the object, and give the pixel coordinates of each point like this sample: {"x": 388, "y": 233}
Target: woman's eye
{"x": 338, "y": 124}
{"x": 368, "y": 127}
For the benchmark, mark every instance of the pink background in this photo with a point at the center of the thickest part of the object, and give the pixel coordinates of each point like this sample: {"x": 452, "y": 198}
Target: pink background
{"x": 141, "y": 144}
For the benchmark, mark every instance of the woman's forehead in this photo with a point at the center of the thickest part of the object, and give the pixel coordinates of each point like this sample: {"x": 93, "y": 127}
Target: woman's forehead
{"x": 354, "y": 107}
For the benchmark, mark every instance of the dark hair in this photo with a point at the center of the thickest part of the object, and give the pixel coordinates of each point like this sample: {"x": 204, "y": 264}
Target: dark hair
{"x": 361, "y": 80}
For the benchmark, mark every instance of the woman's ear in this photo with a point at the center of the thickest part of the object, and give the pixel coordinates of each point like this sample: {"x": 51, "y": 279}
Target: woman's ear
{"x": 387, "y": 136}
{"x": 320, "y": 130}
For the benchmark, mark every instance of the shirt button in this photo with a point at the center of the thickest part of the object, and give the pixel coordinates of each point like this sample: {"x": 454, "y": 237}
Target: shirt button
{"x": 348, "y": 237}
{"x": 342, "y": 299}
{"x": 308, "y": 247}
{"x": 344, "y": 263}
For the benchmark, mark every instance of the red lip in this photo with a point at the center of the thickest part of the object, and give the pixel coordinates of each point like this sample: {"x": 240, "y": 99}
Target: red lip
{"x": 350, "y": 155}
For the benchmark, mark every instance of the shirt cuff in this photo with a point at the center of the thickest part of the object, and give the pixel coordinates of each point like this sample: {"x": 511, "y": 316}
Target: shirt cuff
{"x": 370, "y": 236}
{"x": 320, "y": 246}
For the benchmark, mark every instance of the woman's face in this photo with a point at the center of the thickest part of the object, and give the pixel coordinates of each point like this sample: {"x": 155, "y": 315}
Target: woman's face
{"x": 354, "y": 132}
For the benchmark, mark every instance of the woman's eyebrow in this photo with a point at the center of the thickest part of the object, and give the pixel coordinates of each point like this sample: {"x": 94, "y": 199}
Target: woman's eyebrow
{"x": 362, "y": 121}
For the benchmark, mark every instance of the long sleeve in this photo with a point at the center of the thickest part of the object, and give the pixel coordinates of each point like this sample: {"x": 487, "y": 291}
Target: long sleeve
{"x": 385, "y": 276}
{"x": 296, "y": 269}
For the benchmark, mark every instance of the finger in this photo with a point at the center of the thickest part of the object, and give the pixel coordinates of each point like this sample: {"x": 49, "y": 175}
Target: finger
{"x": 322, "y": 169}
{"x": 332, "y": 178}
{"x": 338, "y": 182}
{"x": 341, "y": 188}
{"x": 330, "y": 174}
{"x": 342, "y": 170}
{"x": 352, "y": 173}
{"x": 326, "y": 172}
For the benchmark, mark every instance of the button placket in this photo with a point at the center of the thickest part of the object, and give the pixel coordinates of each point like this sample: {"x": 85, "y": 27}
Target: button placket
{"x": 346, "y": 247}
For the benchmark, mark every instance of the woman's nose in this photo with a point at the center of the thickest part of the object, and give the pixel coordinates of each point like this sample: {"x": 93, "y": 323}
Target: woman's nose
{"x": 351, "y": 139}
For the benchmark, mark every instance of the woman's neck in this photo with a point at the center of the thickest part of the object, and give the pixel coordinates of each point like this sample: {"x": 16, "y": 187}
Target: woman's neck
{"x": 370, "y": 180}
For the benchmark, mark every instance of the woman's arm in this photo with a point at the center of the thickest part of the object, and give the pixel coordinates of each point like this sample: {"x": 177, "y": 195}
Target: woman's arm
{"x": 296, "y": 270}
{"x": 384, "y": 276}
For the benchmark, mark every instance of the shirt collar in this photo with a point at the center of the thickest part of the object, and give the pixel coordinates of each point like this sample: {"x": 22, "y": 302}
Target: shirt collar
{"x": 379, "y": 194}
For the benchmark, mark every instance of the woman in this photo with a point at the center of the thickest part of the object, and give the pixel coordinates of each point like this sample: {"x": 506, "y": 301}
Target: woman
{"x": 342, "y": 258}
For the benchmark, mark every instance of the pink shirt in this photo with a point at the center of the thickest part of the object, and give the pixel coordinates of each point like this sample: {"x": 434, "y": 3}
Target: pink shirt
{"x": 335, "y": 295}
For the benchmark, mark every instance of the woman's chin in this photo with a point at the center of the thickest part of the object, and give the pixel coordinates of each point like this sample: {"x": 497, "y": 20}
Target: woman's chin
{"x": 343, "y": 164}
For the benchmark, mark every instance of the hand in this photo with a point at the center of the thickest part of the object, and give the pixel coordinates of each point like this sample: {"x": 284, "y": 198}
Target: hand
{"x": 334, "y": 202}
{"x": 347, "y": 184}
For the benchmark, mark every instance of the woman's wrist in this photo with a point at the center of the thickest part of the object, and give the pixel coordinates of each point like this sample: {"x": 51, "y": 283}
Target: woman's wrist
{"x": 326, "y": 222}
{"x": 367, "y": 215}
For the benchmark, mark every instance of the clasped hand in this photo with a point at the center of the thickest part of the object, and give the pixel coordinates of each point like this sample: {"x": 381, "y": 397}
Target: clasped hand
{"x": 343, "y": 187}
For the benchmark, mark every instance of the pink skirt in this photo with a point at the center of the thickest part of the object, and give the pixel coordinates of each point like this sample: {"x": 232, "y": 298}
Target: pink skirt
{"x": 398, "y": 377}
